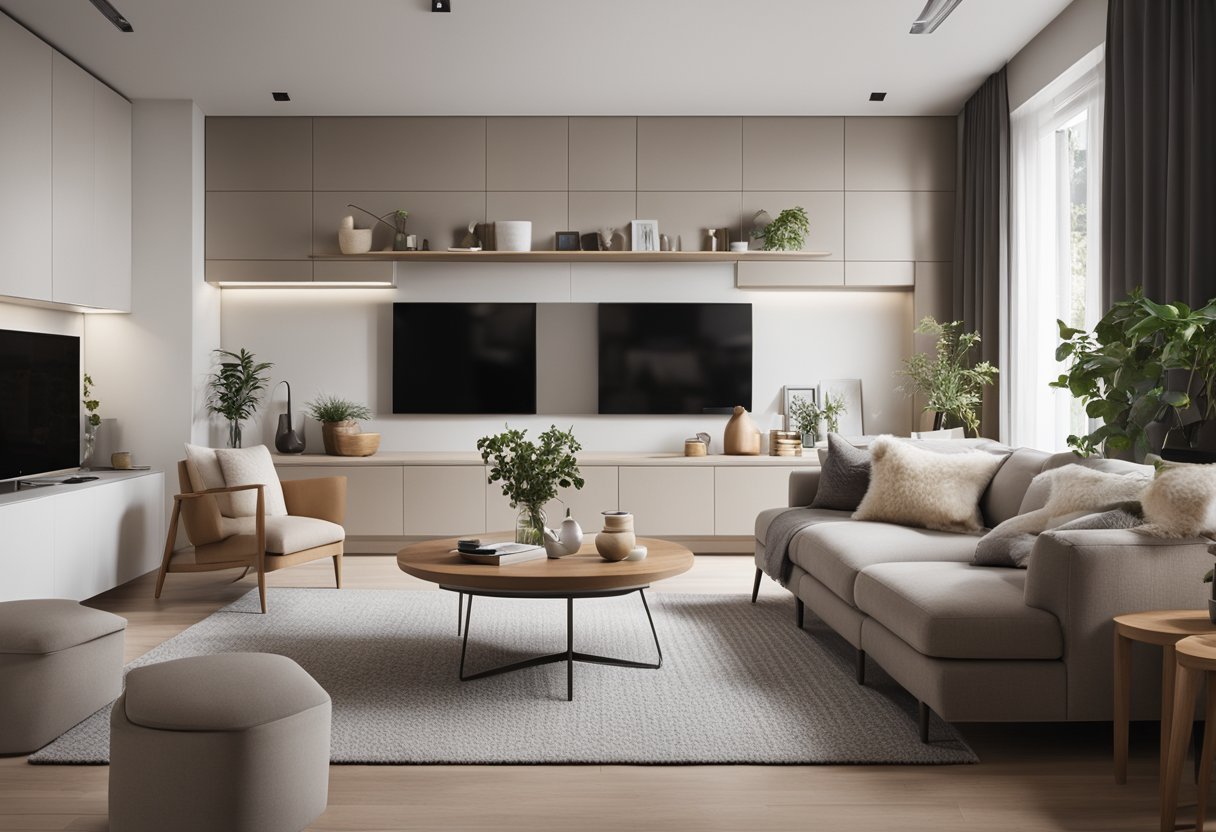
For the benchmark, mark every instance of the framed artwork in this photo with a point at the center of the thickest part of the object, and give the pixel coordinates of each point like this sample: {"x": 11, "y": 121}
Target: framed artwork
{"x": 791, "y": 392}
{"x": 645, "y": 235}
{"x": 852, "y": 421}
{"x": 568, "y": 241}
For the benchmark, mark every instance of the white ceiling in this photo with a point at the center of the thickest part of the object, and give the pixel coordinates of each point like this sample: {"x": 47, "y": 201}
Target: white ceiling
{"x": 543, "y": 57}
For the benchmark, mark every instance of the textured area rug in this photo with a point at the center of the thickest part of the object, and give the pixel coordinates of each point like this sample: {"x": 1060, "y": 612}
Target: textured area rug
{"x": 739, "y": 683}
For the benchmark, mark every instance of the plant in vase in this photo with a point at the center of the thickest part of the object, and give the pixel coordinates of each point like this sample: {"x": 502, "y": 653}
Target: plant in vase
{"x": 806, "y": 415}
{"x": 91, "y": 422}
{"x": 336, "y": 415}
{"x": 398, "y": 224}
{"x": 952, "y": 387}
{"x": 786, "y": 233}
{"x": 531, "y": 473}
{"x": 235, "y": 389}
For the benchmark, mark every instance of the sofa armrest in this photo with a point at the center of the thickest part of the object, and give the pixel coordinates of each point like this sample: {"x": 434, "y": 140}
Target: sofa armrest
{"x": 1086, "y": 578}
{"x": 803, "y": 484}
{"x": 321, "y": 497}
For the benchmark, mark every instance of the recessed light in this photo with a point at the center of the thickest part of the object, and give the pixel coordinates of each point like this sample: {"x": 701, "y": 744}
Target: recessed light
{"x": 280, "y": 96}
{"x": 441, "y": 5}
{"x": 878, "y": 96}
{"x": 111, "y": 14}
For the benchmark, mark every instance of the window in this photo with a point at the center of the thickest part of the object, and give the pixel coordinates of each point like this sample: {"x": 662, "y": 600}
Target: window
{"x": 1056, "y": 175}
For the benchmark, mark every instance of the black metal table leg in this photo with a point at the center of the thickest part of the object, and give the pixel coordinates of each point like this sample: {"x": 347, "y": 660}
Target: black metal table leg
{"x": 569, "y": 649}
{"x": 459, "y": 612}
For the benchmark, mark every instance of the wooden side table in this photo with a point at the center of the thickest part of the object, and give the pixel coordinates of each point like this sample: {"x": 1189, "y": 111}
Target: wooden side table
{"x": 1164, "y": 628}
{"x": 1196, "y": 658}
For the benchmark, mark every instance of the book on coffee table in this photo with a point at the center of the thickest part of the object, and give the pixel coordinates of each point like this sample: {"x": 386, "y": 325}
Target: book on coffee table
{"x": 501, "y": 554}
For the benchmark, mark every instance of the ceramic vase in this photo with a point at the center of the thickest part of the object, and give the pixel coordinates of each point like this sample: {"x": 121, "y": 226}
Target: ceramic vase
{"x": 616, "y": 540}
{"x": 742, "y": 437}
{"x": 513, "y": 235}
{"x": 570, "y": 534}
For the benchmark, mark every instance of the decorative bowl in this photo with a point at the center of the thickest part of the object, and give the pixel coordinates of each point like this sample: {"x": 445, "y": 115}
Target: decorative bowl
{"x": 354, "y": 240}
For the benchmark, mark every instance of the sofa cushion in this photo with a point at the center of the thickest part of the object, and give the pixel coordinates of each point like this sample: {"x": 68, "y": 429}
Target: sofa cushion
{"x": 844, "y": 477}
{"x": 959, "y": 611}
{"x": 833, "y": 553}
{"x": 1005, "y": 493}
{"x": 287, "y": 534}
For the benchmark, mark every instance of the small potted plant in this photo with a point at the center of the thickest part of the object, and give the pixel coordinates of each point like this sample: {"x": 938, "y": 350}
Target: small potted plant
{"x": 953, "y": 389}
{"x": 340, "y": 430}
{"x": 91, "y": 422}
{"x": 807, "y": 416}
{"x": 531, "y": 473}
{"x": 235, "y": 389}
{"x": 786, "y": 233}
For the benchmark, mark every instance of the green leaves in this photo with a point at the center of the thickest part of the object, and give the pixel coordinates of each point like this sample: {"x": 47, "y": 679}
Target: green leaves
{"x": 532, "y": 472}
{"x": 787, "y": 232}
{"x": 329, "y": 408}
{"x": 90, "y": 404}
{"x": 235, "y": 387}
{"x": 947, "y": 380}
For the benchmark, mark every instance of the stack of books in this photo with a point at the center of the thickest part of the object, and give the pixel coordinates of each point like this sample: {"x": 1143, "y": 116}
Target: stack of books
{"x": 784, "y": 443}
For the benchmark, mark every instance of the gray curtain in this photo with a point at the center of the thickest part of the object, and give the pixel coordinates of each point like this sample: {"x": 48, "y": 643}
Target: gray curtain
{"x": 981, "y": 226}
{"x": 1159, "y": 151}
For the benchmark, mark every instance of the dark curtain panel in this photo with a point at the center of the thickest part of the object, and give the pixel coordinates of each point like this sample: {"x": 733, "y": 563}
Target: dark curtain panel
{"x": 981, "y": 226}
{"x": 1159, "y": 154}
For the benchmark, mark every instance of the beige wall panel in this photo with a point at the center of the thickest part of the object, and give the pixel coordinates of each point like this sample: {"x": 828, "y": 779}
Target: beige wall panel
{"x": 259, "y": 225}
{"x": 742, "y": 493}
{"x": 548, "y": 211}
{"x": 690, "y": 154}
{"x": 686, "y": 216}
{"x": 898, "y": 225}
{"x": 72, "y": 184}
{"x": 527, "y": 154}
{"x": 762, "y": 274}
{"x": 259, "y": 154}
{"x": 793, "y": 154}
{"x": 353, "y": 271}
{"x": 399, "y": 154}
{"x": 883, "y": 273}
{"x": 824, "y": 208}
{"x": 597, "y": 210}
{"x": 258, "y": 271}
{"x": 443, "y": 218}
{"x": 375, "y": 496}
{"x": 669, "y": 500}
{"x": 445, "y": 500}
{"x": 899, "y": 154}
{"x": 111, "y": 198}
{"x": 603, "y": 154}
{"x": 599, "y": 493}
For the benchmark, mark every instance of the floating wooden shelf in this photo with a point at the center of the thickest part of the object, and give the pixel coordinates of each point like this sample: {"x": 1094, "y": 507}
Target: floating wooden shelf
{"x": 577, "y": 256}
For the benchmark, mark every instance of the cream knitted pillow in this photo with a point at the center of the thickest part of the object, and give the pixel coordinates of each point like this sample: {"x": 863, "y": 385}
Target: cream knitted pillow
{"x": 250, "y": 466}
{"x": 915, "y": 487}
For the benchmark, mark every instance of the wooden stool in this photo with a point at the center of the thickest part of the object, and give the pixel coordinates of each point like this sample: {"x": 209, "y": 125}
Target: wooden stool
{"x": 1196, "y": 658}
{"x": 1164, "y": 628}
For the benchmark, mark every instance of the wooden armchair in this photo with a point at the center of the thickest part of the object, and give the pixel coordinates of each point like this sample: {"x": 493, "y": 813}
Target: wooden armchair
{"x": 312, "y": 529}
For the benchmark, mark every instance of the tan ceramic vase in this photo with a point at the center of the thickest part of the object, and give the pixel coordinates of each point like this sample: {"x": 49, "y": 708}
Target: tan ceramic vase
{"x": 616, "y": 540}
{"x": 742, "y": 437}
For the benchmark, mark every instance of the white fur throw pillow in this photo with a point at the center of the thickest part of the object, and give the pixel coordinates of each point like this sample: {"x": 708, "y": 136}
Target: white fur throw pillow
{"x": 251, "y": 466}
{"x": 914, "y": 487}
{"x": 1181, "y": 502}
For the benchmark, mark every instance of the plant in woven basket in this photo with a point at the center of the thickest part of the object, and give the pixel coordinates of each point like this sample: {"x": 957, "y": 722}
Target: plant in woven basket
{"x": 337, "y": 416}
{"x": 235, "y": 389}
{"x": 531, "y": 473}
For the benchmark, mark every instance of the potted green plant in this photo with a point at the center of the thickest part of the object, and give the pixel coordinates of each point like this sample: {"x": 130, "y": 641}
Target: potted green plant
{"x": 1148, "y": 373}
{"x": 531, "y": 473}
{"x": 787, "y": 232}
{"x": 807, "y": 415}
{"x": 91, "y": 422}
{"x": 339, "y": 419}
{"x": 235, "y": 388}
{"x": 952, "y": 387}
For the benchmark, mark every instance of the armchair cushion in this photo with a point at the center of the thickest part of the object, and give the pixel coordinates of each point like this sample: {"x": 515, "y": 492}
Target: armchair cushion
{"x": 251, "y": 466}
{"x": 286, "y": 535}
{"x": 205, "y": 472}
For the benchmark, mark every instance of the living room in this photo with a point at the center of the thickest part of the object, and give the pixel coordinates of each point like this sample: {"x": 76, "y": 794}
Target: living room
{"x": 808, "y": 395}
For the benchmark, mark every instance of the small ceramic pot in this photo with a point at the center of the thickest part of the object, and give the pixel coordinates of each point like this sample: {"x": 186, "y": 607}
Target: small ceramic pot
{"x": 513, "y": 235}
{"x": 638, "y": 553}
{"x": 570, "y": 534}
{"x": 617, "y": 539}
{"x": 354, "y": 240}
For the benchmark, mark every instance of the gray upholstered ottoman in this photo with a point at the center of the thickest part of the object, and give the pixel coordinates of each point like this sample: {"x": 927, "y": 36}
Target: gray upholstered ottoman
{"x": 59, "y": 662}
{"x": 235, "y": 741}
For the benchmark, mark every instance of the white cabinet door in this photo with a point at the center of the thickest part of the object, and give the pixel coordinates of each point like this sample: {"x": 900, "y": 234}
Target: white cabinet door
{"x": 76, "y": 543}
{"x": 740, "y": 493}
{"x": 130, "y": 528}
{"x": 27, "y": 552}
{"x": 675, "y": 500}
{"x": 599, "y": 493}
{"x": 111, "y": 206}
{"x": 73, "y": 259}
{"x": 25, "y": 163}
{"x": 445, "y": 500}
{"x": 375, "y": 496}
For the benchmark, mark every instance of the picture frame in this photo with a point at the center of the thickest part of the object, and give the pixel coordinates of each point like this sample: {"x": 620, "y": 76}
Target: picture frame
{"x": 645, "y": 235}
{"x": 852, "y": 421}
{"x": 791, "y": 391}
{"x": 567, "y": 241}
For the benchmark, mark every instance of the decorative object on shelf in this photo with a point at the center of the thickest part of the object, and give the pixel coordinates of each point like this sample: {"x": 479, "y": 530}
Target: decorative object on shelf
{"x": 645, "y": 235}
{"x": 664, "y": 243}
{"x": 426, "y": 244}
{"x": 952, "y": 389}
{"x": 470, "y": 241}
{"x": 567, "y": 241}
{"x": 784, "y": 443}
{"x": 742, "y": 437}
{"x": 1148, "y": 371}
{"x": 121, "y": 461}
{"x": 590, "y": 242}
{"x": 817, "y": 416}
{"x": 531, "y": 473}
{"x": 287, "y": 440}
{"x": 411, "y": 242}
{"x": 711, "y": 240}
{"x": 786, "y": 233}
{"x": 788, "y": 394}
{"x": 398, "y": 224}
{"x": 617, "y": 539}
{"x": 570, "y": 533}
{"x": 847, "y": 415}
{"x": 485, "y": 232}
{"x": 554, "y": 548}
{"x": 92, "y": 423}
{"x": 609, "y": 237}
{"x": 513, "y": 235}
{"x": 340, "y": 429}
{"x": 637, "y": 553}
{"x": 235, "y": 388}
{"x": 353, "y": 240}
{"x": 739, "y": 246}
{"x": 695, "y": 447}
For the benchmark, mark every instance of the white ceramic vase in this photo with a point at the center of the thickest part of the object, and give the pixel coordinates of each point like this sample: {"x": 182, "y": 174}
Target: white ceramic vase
{"x": 513, "y": 235}
{"x": 354, "y": 240}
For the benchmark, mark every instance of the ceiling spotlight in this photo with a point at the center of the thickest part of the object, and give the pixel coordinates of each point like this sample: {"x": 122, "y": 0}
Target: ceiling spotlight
{"x": 878, "y": 96}
{"x": 280, "y": 96}
{"x": 441, "y": 5}
{"x": 932, "y": 16}
{"x": 111, "y": 14}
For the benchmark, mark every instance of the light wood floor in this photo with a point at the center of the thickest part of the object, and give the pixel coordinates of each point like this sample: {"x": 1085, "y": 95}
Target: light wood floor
{"x": 1031, "y": 778}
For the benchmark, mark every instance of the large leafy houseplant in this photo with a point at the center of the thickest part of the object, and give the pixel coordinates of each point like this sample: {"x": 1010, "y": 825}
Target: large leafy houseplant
{"x": 787, "y": 232}
{"x": 531, "y": 473}
{"x": 1147, "y": 368}
{"x": 235, "y": 388}
{"x": 951, "y": 386}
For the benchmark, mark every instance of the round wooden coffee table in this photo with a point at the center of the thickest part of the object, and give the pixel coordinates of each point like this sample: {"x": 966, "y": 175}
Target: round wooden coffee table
{"x": 582, "y": 575}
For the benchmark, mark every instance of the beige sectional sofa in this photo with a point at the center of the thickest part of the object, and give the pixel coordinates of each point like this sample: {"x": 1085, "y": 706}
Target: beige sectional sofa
{"x": 982, "y": 643}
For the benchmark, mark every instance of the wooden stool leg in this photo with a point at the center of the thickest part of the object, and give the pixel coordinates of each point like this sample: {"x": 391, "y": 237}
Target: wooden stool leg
{"x": 1205, "y": 755}
{"x": 1123, "y": 684}
{"x": 1168, "y": 674}
{"x": 1186, "y": 687}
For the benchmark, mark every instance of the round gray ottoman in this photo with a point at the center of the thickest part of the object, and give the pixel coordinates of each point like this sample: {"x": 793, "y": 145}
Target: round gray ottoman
{"x": 59, "y": 663}
{"x": 235, "y": 741}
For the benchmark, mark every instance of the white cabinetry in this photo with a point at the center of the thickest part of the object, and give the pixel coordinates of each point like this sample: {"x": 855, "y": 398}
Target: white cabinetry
{"x": 375, "y": 496}
{"x": 72, "y": 255}
{"x": 741, "y": 493}
{"x": 111, "y": 208}
{"x": 669, "y": 500}
{"x": 445, "y": 499}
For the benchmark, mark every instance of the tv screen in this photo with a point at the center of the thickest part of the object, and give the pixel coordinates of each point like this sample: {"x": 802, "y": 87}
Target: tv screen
{"x": 464, "y": 358}
{"x": 679, "y": 358}
{"x": 40, "y": 418}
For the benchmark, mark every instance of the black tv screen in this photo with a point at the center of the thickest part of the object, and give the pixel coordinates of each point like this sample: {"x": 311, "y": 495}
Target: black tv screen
{"x": 464, "y": 358}
{"x": 678, "y": 358}
{"x": 40, "y": 417}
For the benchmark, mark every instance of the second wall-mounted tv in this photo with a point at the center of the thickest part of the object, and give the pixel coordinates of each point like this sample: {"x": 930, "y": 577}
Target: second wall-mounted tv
{"x": 40, "y": 392}
{"x": 674, "y": 358}
{"x": 454, "y": 358}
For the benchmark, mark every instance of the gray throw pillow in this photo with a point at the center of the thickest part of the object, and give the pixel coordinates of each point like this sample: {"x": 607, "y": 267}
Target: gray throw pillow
{"x": 844, "y": 478}
{"x": 1011, "y": 547}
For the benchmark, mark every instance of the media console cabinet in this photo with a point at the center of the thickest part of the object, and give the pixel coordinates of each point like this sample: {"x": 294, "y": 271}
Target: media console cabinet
{"x": 707, "y": 503}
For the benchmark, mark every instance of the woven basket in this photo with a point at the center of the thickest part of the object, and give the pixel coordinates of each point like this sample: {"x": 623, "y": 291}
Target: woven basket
{"x": 345, "y": 439}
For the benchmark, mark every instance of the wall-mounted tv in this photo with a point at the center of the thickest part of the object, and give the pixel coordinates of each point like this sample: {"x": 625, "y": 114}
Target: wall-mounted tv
{"x": 464, "y": 358}
{"x": 677, "y": 358}
{"x": 40, "y": 417}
